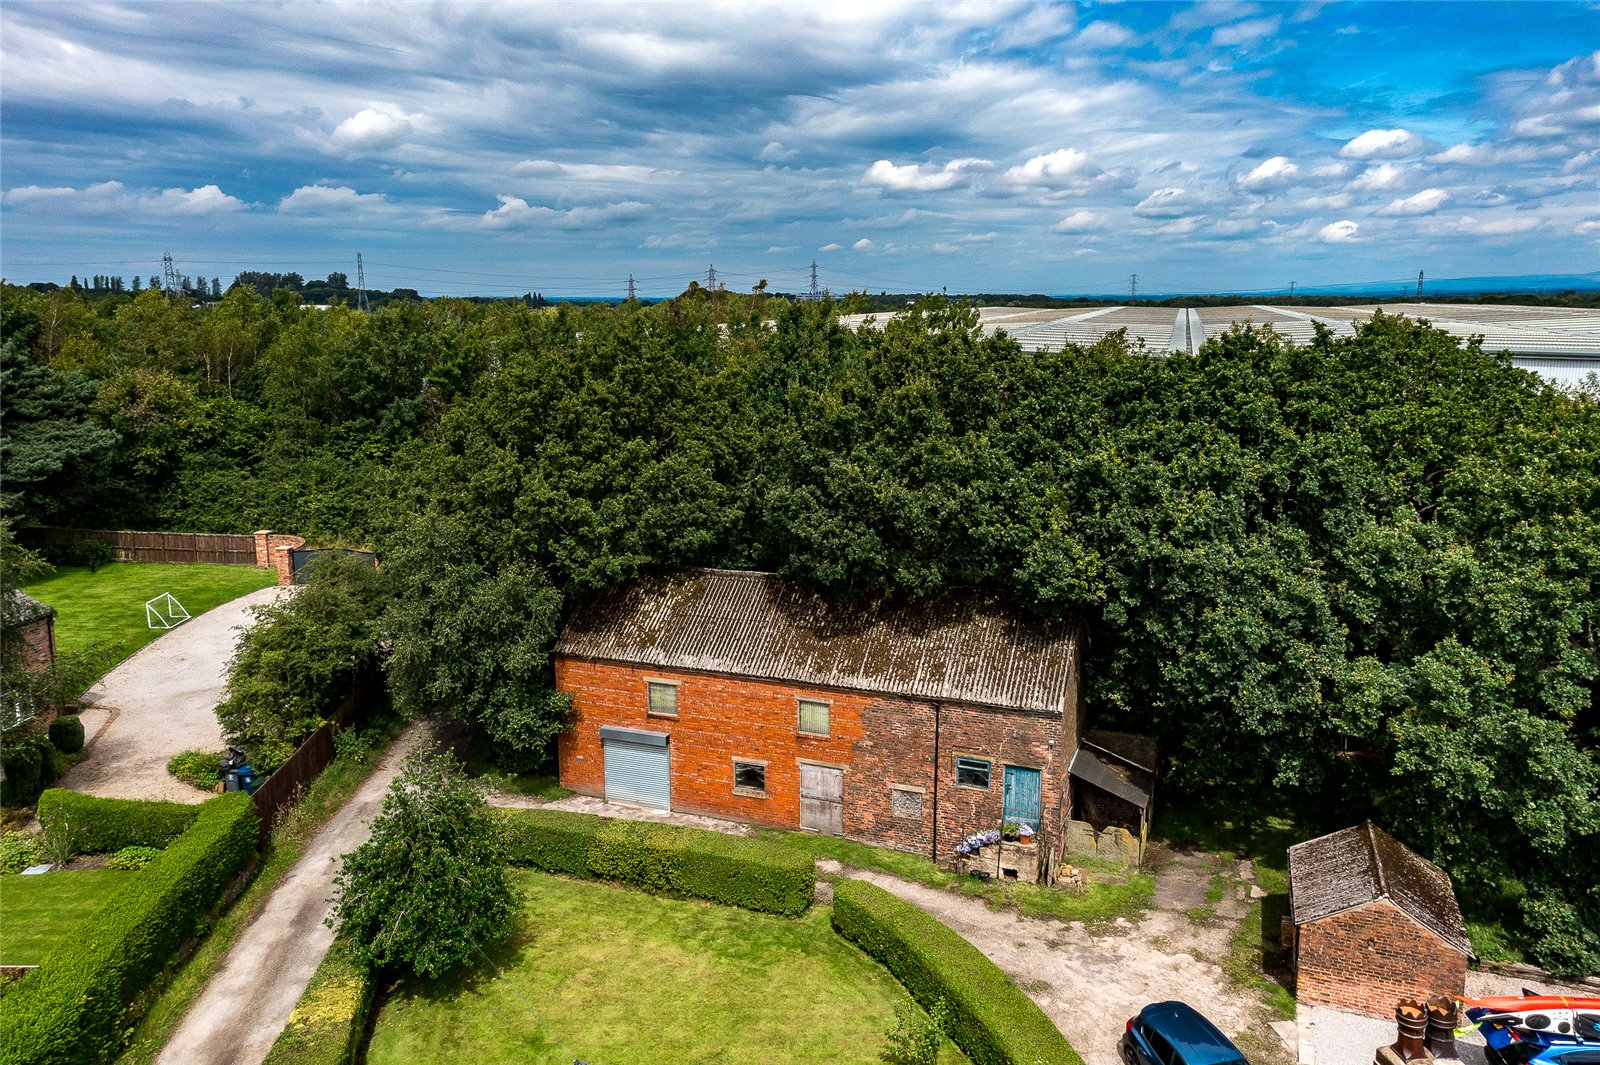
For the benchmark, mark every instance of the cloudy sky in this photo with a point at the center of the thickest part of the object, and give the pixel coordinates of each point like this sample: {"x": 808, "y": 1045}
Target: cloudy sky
{"x": 494, "y": 149}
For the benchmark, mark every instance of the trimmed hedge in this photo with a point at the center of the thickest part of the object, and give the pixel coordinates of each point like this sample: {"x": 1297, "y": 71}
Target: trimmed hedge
{"x": 105, "y": 826}
{"x": 330, "y": 1018}
{"x": 991, "y": 1019}
{"x": 67, "y": 734}
{"x": 732, "y": 870}
{"x": 72, "y": 1008}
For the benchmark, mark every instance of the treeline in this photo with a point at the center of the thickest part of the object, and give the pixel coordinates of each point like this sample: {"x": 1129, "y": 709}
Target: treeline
{"x": 111, "y": 289}
{"x": 1354, "y": 579}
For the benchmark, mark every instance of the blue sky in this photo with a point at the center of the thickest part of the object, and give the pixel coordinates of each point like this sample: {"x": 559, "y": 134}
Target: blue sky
{"x": 494, "y": 149}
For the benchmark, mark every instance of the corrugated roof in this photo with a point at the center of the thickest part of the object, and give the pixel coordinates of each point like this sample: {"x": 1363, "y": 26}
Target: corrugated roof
{"x": 963, "y": 649}
{"x": 1359, "y": 865}
{"x": 1123, "y": 781}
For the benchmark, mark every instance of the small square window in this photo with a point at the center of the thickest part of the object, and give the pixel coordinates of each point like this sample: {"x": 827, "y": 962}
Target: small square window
{"x": 904, "y": 803}
{"x": 663, "y": 699}
{"x": 814, "y": 717}
{"x": 749, "y": 776}
{"x": 972, "y": 773}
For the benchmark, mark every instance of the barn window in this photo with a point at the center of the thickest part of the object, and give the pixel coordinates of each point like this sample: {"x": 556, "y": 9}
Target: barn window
{"x": 905, "y": 802}
{"x": 663, "y": 698}
{"x": 814, "y": 717}
{"x": 750, "y": 778}
{"x": 972, "y": 773}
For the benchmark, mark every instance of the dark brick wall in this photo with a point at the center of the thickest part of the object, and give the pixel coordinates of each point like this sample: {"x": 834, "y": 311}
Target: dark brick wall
{"x": 1367, "y": 959}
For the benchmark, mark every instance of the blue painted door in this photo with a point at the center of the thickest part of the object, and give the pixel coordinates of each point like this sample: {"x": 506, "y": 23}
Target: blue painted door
{"x": 1022, "y": 796}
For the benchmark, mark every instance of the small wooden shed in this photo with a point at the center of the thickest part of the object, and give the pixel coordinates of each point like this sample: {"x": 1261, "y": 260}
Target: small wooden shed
{"x": 1374, "y": 922}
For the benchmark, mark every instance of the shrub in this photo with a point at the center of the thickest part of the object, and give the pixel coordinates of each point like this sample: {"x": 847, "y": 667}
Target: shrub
{"x": 72, "y": 1008}
{"x": 348, "y": 743}
{"x": 133, "y": 857}
{"x": 732, "y": 870}
{"x": 199, "y": 769}
{"x": 30, "y": 765}
{"x": 67, "y": 734}
{"x": 916, "y": 1035}
{"x": 330, "y": 1018}
{"x": 18, "y": 850}
{"x": 105, "y": 826}
{"x": 990, "y": 1018}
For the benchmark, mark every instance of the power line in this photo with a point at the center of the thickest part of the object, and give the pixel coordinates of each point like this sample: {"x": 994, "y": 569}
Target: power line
{"x": 1133, "y": 288}
{"x": 169, "y": 276}
{"x": 361, "y": 284}
{"x": 633, "y": 291}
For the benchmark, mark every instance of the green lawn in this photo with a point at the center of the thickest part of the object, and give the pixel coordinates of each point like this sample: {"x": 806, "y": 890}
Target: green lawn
{"x": 40, "y": 911}
{"x": 100, "y": 616}
{"x": 619, "y": 975}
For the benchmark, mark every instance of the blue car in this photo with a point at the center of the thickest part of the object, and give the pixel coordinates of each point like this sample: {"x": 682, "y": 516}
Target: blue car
{"x": 1174, "y": 1033}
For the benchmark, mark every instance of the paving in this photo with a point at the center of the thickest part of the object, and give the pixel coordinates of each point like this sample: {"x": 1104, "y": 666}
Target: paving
{"x": 248, "y": 1000}
{"x": 159, "y": 702}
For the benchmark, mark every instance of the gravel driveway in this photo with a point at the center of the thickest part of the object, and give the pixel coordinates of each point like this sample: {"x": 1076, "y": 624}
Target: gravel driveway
{"x": 158, "y": 702}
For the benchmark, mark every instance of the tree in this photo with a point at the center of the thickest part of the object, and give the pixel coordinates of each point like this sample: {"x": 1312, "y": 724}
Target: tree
{"x": 429, "y": 886}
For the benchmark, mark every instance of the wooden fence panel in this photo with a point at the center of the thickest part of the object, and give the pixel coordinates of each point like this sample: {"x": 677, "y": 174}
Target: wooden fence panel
{"x": 235, "y": 549}
{"x": 277, "y": 793}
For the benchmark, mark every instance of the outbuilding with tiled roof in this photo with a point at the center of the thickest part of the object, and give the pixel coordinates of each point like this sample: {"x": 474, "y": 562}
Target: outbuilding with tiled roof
{"x": 1374, "y": 922}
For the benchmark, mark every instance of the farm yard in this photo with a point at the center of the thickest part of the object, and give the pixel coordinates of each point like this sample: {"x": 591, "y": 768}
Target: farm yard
{"x": 608, "y": 973}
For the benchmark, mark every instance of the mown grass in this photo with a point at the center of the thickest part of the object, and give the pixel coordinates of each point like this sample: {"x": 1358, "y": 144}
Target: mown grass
{"x": 43, "y": 910}
{"x": 100, "y": 616}
{"x": 598, "y": 972}
{"x": 316, "y": 805}
{"x": 1111, "y": 891}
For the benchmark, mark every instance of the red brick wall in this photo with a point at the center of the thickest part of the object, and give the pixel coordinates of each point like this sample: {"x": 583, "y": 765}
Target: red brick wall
{"x": 272, "y": 552}
{"x": 37, "y": 645}
{"x": 882, "y": 741}
{"x": 1365, "y": 960}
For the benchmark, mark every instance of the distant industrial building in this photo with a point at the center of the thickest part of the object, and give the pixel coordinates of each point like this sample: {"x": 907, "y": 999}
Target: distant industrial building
{"x": 1560, "y": 344}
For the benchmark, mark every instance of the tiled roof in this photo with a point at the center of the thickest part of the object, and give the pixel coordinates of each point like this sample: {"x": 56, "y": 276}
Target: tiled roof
{"x": 962, "y": 649}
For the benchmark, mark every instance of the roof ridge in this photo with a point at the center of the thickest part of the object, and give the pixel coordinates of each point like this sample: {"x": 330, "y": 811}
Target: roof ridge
{"x": 1377, "y": 862}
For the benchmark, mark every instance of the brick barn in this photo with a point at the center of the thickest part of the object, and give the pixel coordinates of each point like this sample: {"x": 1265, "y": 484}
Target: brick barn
{"x": 1374, "y": 922}
{"x": 741, "y": 695}
{"x": 30, "y": 632}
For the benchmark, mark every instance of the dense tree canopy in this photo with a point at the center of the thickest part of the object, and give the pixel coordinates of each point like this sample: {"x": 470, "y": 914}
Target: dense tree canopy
{"x": 1359, "y": 576}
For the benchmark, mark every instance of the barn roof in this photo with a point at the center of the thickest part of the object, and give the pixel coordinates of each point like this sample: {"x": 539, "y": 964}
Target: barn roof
{"x": 1357, "y": 866}
{"x": 963, "y": 649}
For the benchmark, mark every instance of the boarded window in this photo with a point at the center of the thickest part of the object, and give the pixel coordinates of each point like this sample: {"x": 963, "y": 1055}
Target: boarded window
{"x": 904, "y": 803}
{"x": 814, "y": 717}
{"x": 972, "y": 773}
{"x": 749, "y": 776}
{"x": 663, "y": 698}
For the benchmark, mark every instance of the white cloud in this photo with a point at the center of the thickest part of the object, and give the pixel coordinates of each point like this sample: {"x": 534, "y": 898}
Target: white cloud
{"x": 775, "y": 152}
{"x": 1163, "y": 203}
{"x": 1340, "y": 232}
{"x": 112, "y": 197}
{"x": 329, "y": 197}
{"x": 1247, "y": 32}
{"x": 779, "y": 249}
{"x": 1589, "y": 225}
{"x": 1065, "y": 166}
{"x": 1079, "y": 221}
{"x": 1382, "y": 176}
{"x": 370, "y": 130}
{"x": 1425, "y": 202}
{"x": 1502, "y": 225}
{"x": 1336, "y": 202}
{"x": 863, "y": 244}
{"x": 515, "y": 211}
{"x": 941, "y": 248}
{"x": 916, "y": 178}
{"x": 979, "y": 238}
{"x": 1382, "y": 144}
{"x": 1271, "y": 173}
{"x": 831, "y": 247}
{"x": 1104, "y": 34}
{"x": 1330, "y": 170}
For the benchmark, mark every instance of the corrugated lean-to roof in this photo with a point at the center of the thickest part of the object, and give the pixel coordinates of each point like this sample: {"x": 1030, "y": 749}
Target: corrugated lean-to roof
{"x": 1355, "y": 866}
{"x": 962, "y": 649}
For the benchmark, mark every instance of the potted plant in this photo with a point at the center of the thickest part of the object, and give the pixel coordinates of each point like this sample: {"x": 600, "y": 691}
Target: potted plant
{"x": 1008, "y": 831}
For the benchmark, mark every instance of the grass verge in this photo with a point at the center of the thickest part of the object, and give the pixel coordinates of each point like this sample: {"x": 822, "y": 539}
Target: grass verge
{"x": 1111, "y": 891}
{"x": 41, "y": 911}
{"x": 599, "y": 972}
{"x": 321, "y": 801}
{"x": 100, "y": 616}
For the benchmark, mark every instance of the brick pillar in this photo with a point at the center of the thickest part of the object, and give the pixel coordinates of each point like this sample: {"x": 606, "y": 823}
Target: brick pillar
{"x": 263, "y": 539}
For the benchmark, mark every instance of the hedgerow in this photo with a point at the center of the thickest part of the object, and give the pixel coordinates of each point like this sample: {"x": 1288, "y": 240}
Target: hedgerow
{"x": 752, "y": 874}
{"x": 105, "y": 826}
{"x": 990, "y": 1018}
{"x": 327, "y": 1023}
{"x": 73, "y": 1008}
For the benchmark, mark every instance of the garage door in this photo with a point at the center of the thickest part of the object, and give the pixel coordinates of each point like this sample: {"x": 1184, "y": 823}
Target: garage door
{"x": 637, "y": 769}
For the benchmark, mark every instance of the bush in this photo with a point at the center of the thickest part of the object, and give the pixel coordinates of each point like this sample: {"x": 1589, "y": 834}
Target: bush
{"x": 752, "y": 874}
{"x": 199, "y": 769}
{"x": 72, "y": 1008}
{"x": 105, "y": 826}
{"x": 348, "y": 743}
{"x": 67, "y": 734}
{"x": 330, "y": 1018}
{"x": 18, "y": 850}
{"x": 90, "y": 553}
{"x": 133, "y": 858}
{"x": 990, "y": 1018}
{"x": 30, "y": 765}
{"x": 916, "y": 1035}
